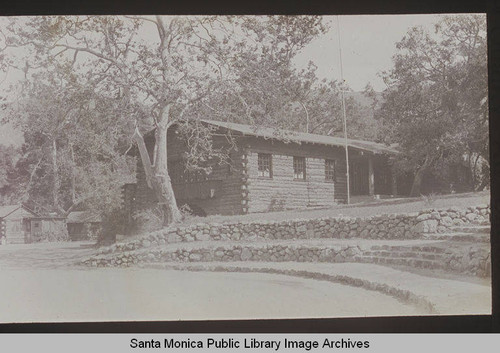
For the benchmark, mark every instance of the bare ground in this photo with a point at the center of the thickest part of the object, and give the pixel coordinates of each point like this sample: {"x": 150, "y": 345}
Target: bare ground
{"x": 114, "y": 294}
{"x": 40, "y": 282}
{"x": 445, "y": 296}
{"x": 375, "y": 207}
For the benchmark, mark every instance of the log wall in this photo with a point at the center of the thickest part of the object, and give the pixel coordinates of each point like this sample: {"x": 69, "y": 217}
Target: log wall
{"x": 224, "y": 178}
{"x": 282, "y": 191}
{"x": 16, "y": 231}
{"x": 239, "y": 189}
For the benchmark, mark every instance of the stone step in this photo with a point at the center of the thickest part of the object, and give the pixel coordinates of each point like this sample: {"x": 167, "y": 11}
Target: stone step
{"x": 405, "y": 254}
{"x": 401, "y": 261}
{"x": 456, "y": 236}
{"x": 482, "y": 223}
{"x": 482, "y": 229}
{"x": 421, "y": 248}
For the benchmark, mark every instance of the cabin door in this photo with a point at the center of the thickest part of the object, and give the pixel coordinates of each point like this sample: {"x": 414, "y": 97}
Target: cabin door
{"x": 358, "y": 177}
{"x": 383, "y": 179}
{"x": 26, "y": 226}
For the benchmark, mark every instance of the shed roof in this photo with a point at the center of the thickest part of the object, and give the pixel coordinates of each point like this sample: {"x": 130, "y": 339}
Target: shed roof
{"x": 8, "y": 209}
{"x": 302, "y": 137}
{"x": 82, "y": 217}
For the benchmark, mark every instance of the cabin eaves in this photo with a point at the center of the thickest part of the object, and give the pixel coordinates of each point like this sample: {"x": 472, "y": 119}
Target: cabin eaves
{"x": 302, "y": 137}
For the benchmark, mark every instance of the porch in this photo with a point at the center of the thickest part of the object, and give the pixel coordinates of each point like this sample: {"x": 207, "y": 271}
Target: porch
{"x": 371, "y": 177}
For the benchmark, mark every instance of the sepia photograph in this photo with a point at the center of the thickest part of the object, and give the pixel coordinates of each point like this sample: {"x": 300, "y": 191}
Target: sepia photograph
{"x": 233, "y": 167}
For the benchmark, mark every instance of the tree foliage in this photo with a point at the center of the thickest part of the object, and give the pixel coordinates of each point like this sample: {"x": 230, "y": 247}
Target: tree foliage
{"x": 10, "y": 188}
{"x": 435, "y": 106}
{"x": 71, "y": 154}
{"x": 92, "y": 83}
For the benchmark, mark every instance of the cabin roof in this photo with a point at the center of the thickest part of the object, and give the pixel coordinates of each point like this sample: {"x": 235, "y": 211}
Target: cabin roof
{"x": 82, "y": 217}
{"x": 50, "y": 218}
{"x": 302, "y": 137}
{"x": 291, "y": 136}
{"x": 8, "y": 209}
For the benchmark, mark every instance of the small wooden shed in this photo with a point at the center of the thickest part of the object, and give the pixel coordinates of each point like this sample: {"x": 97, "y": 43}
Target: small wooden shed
{"x": 16, "y": 224}
{"x": 48, "y": 228}
{"x": 82, "y": 225}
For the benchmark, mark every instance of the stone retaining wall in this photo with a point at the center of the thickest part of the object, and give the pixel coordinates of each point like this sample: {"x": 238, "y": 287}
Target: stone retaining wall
{"x": 473, "y": 260}
{"x": 387, "y": 226}
{"x": 470, "y": 259}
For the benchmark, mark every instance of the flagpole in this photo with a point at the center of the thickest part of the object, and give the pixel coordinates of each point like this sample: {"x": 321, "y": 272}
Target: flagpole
{"x": 344, "y": 112}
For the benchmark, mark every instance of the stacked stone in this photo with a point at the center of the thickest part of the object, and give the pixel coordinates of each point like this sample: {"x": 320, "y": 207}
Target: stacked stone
{"x": 476, "y": 261}
{"x": 273, "y": 253}
{"x": 244, "y": 182}
{"x": 440, "y": 221}
{"x": 388, "y": 226}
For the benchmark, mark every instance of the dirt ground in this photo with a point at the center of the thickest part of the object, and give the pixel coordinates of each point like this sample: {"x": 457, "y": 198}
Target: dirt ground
{"x": 40, "y": 283}
{"x": 113, "y": 294}
{"x": 385, "y": 206}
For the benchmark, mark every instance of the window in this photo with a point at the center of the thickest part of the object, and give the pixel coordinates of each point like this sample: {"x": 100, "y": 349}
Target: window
{"x": 329, "y": 170}
{"x": 265, "y": 163}
{"x": 299, "y": 168}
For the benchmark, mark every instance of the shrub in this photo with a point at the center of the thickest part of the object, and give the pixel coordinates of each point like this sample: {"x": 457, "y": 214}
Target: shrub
{"x": 60, "y": 234}
{"x": 113, "y": 223}
{"x": 277, "y": 203}
{"x": 149, "y": 220}
{"x": 429, "y": 199}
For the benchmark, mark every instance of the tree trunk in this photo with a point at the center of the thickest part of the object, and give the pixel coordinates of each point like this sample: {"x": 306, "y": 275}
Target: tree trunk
{"x": 73, "y": 174}
{"x": 157, "y": 175}
{"x": 417, "y": 183}
{"x": 419, "y": 176}
{"x": 485, "y": 177}
{"x": 55, "y": 177}
{"x": 161, "y": 181}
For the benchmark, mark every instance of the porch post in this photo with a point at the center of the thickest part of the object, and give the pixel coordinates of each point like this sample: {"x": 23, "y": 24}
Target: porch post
{"x": 371, "y": 177}
{"x": 394, "y": 184}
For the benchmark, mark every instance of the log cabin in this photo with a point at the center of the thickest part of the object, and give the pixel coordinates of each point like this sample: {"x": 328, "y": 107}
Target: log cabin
{"x": 267, "y": 170}
{"x": 21, "y": 225}
{"x": 16, "y": 224}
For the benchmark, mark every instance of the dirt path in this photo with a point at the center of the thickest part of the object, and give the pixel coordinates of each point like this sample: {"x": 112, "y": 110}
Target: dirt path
{"x": 41, "y": 283}
{"x": 44, "y": 255}
{"x": 148, "y": 294}
{"x": 447, "y": 297}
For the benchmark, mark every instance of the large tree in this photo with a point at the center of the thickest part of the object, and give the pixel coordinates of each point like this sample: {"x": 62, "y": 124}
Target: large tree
{"x": 71, "y": 153}
{"x": 158, "y": 71}
{"x": 435, "y": 106}
{"x": 269, "y": 93}
{"x": 10, "y": 188}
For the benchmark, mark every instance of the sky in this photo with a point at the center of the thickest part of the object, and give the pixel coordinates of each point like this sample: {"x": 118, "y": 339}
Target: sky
{"x": 368, "y": 44}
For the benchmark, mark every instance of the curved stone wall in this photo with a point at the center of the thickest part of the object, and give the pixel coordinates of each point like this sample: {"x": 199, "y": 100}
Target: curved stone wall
{"x": 387, "y": 226}
{"x": 473, "y": 260}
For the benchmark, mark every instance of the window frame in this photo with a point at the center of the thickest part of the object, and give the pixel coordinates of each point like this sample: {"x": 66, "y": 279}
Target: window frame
{"x": 297, "y": 163}
{"x": 263, "y": 160}
{"x": 330, "y": 170}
